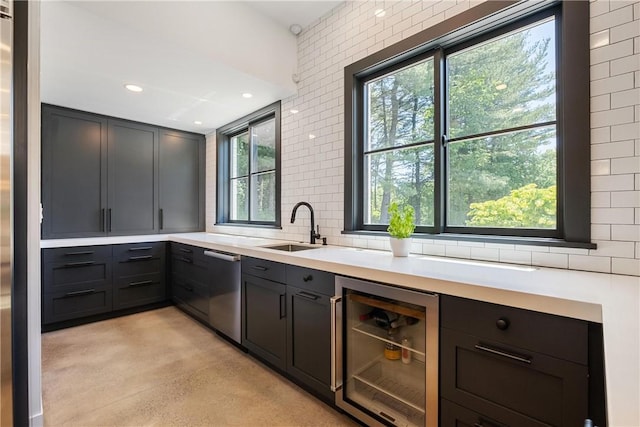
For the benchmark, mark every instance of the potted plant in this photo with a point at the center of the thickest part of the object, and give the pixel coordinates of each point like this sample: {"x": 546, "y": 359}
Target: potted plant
{"x": 401, "y": 226}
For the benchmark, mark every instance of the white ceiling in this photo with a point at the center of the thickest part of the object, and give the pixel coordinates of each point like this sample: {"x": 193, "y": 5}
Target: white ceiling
{"x": 194, "y": 59}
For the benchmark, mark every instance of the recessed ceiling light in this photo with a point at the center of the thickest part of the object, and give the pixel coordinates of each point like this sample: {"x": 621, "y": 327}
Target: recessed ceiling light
{"x": 246, "y": 95}
{"x": 501, "y": 86}
{"x": 294, "y": 111}
{"x": 197, "y": 122}
{"x": 379, "y": 13}
{"x": 295, "y": 29}
{"x": 133, "y": 88}
{"x": 311, "y": 136}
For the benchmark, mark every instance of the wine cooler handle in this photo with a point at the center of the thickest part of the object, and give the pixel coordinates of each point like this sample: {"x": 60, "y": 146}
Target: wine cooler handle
{"x": 335, "y": 383}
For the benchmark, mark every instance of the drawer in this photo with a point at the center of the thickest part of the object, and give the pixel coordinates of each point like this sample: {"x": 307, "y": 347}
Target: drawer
{"x": 492, "y": 378}
{"x": 76, "y": 254}
{"x": 543, "y": 333}
{"x": 192, "y": 294}
{"x": 139, "y": 290}
{"x": 139, "y": 251}
{"x": 270, "y": 270}
{"x": 187, "y": 250}
{"x": 77, "y": 275}
{"x": 185, "y": 266}
{"x": 137, "y": 267}
{"x": 310, "y": 279}
{"x": 61, "y": 306}
{"x": 452, "y": 415}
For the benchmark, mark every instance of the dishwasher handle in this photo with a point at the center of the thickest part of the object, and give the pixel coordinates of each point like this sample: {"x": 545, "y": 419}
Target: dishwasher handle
{"x": 336, "y": 344}
{"x": 224, "y": 257}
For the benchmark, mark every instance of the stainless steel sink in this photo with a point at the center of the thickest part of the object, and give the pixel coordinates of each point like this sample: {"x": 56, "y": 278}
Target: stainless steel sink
{"x": 290, "y": 247}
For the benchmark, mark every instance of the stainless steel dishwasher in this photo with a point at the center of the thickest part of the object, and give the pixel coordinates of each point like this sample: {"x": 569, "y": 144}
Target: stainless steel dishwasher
{"x": 224, "y": 297}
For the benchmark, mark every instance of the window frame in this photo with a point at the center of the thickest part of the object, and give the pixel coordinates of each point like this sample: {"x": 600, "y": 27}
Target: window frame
{"x": 223, "y": 165}
{"x": 483, "y": 22}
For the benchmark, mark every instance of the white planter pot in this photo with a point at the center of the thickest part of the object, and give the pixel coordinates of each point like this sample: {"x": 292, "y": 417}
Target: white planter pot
{"x": 400, "y": 247}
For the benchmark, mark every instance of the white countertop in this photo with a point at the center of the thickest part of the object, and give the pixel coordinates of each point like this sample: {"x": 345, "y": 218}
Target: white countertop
{"x": 612, "y": 300}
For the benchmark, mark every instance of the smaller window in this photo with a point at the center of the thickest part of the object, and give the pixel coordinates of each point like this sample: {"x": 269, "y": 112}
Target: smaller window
{"x": 249, "y": 169}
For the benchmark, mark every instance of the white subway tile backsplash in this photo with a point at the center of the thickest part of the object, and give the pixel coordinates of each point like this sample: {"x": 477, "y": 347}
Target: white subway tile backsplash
{"x": 599, "y": 71}
{"x": 611, "y": 51}
{"x": 626, "y": 131}
{"x": 625, "y": 199}
{"x": 458, "y": 251}
{"x": 598, "y": 8}
{"x": 612, "y": 84}
{"x": 600, "y": 199}
{"x": 612, "y": 182}
{"x": 612, "y": 215}
{"x": 625, "y": 165}
{"x": 601, "y": 167}
{"x": 515, "y": 257}
{"x": 601, "y": 102}
{"x": 626, "y": 266}
{"x": 627, "y": 64}
{"x": 485, "y": 254}
{"x": 624, "y": 31}
{"x": 550, "y": 260}
{"x": 590, "y": 263}
{"x": 612, "y": 150}
{"x": 611, "y": 19}
{"x": 625, "y": 98}
{"x": 600, "y": 135}
{"x": 625, "y": 233}
{"x": 600, "y": 231}
{"x": 613, "y": 248}
{"x": 612, "y": 117}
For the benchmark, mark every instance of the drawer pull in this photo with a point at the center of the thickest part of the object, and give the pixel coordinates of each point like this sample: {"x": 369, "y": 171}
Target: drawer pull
{"x": 389, "y": 417}
{"x": 259, "y": 268}
{"x": 503, "y": 353}
{"x": 485, "y": 423}
{"x": 307, "y": 278}
{"x": 80, "y": 293}
{"x": 79, "y": 253}
{"x": 186, "y": 251}
{"x": 141, "y": 248}
{"x": 143, "y": 283}
{"x": 283, "y": 306}
{"x": 79, "y": 264}
{"x": 140, "y": 258}
{"x": 187, "y": 260}
{"x": 503, "y": 323}
{"x": 307, "y": 295}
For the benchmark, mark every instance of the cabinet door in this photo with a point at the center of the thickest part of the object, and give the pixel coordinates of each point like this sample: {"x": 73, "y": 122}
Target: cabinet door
{"x": 132, "y": 191}
{"x": 519, "y": 387}
{"x": 264, "y": 311}
{"x": 74, "y": 173}
{"x": 181, "y": 182}
{"x": 309, "y": 338}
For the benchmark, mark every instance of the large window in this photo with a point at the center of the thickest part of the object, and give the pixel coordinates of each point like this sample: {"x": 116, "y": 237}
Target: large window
{"x": 248, "y": 169}
{"x": 472, "y": 129}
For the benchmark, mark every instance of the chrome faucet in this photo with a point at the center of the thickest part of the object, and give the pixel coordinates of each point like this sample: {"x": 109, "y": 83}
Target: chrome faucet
{"x": 314, "y": 234}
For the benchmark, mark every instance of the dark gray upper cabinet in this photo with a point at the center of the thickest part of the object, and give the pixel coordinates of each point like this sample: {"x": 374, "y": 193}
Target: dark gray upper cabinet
{"x": 74, "y": 173}
{"x": 106, "y": 176}
{"x": 181, "y": 182}
{"x": 132, "y": 187}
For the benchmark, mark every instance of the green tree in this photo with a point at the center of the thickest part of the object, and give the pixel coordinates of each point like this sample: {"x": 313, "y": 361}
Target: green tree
{"x": 525, "y": 207}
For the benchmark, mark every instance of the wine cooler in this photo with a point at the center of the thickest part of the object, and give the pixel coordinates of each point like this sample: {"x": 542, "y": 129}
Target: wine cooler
{"x": 385, "y": 353}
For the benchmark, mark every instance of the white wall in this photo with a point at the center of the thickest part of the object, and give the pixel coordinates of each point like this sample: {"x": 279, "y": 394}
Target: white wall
{"x": 312, "y": 169}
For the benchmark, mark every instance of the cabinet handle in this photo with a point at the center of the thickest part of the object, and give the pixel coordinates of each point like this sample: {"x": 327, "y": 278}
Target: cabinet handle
{"x": 259, "y": 267}
{"x": 307, "y": 295}
{"x": 141, "y": 248}
{"x": 334, "y": 347}
{"x": 103, "y": 226}
{"x": 140, "y": 258}
{"x": 161, "y": 218}
{"x": 283, "y": 306}
{"x": 80, "y": 293}
{"x": 503, "y": 353}
{"x": 307, "y": 278}
{"x": 186, "y": 251}
{"x": 143, "y": 283}
{"x": 109, "y": 220}
{"x": 79, "y": 264}
{"x": 486, "y": 423}
{"x": 78, "y": 253}
{"x": 187, "y": 260}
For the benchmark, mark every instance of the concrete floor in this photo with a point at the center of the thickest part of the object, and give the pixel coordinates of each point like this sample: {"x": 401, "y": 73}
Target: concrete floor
{"x": 161, "y": 368}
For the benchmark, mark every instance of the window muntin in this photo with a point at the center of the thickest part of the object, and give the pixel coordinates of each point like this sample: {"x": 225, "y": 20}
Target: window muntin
{"x": 399, "y": 153}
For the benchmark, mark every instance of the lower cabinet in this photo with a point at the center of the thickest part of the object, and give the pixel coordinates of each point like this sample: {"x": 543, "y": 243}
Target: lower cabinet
{"x": 503, "y": 366}
{"x": 286, "y": 313}
{"x": 84, "y": 281}
{"x": 264, "y": 311}
{"x": 190, "y": 280}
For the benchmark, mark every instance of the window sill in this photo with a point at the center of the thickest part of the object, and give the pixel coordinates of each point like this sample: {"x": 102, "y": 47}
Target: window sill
{"x": 247, "y": 225}
{"x": 505, "y": 240}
